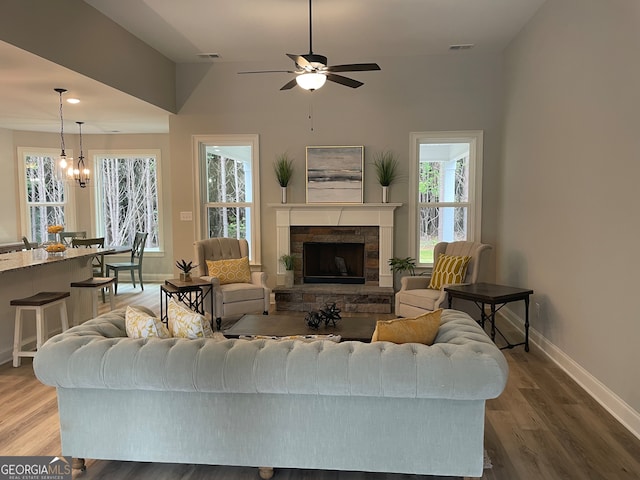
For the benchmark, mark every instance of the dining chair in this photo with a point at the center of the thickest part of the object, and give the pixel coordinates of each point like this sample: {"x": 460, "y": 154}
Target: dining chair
{"x": 67, "y": 237}
{"x": 97, "y": 263}
{"x": 27, "y": 243}
{"x": 135, "y": 263}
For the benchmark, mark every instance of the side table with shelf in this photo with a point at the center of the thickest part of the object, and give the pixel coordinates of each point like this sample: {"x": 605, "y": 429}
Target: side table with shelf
{"x": 490, "y": 294}
{"x": 192, "y": 293}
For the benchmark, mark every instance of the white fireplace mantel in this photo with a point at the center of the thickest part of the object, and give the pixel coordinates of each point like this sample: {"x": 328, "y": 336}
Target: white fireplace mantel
{"x": 347, "y": 215}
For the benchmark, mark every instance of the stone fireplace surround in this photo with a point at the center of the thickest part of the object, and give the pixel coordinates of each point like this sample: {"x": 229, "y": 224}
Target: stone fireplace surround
{"x": 369, "y": 222}
{"x": 338, "y": 215}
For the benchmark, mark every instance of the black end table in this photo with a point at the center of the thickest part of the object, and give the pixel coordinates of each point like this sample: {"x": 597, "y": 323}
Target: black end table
{"x": 490, "y": 294}
{"x": 192, "y": 293}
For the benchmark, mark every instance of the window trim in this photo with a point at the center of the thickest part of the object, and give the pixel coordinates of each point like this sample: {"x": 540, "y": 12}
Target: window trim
{"x": 95, "y": 205}
{"x": 70, "y": 203}
{"x": 475, "y": 139}
{"x": 198, "y": 145}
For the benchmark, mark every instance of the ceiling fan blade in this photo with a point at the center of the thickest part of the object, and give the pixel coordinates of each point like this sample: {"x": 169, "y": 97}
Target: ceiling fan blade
{"x": 354, "y": 67}
{"x": 269, "y": 71}
{"x": 349, "y": 82}
{"x": 300, "y": 60}
{"x": 289, "y": 85}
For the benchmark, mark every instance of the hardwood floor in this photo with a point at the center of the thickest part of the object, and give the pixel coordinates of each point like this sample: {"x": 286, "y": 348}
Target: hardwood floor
{"x": 544, "y": 426}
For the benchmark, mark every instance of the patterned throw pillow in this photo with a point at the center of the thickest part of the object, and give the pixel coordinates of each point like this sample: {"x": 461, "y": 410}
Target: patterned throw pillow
{"x": 185, "y": 323}
{"x": 422, "y": 329}
{"x": 140, "y": 324}
{"x": 449, "y": 269}
{"x": 233, "y": 270}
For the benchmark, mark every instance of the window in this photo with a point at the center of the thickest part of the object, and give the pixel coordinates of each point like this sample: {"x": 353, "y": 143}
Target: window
{"x": 127, "y": 196}
{"x": 227, "y": 167}
{"x": 44, "y": 199}
{"x": 445, "y": 191}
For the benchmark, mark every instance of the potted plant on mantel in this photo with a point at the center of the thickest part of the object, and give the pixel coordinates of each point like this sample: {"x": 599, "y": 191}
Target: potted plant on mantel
{"x": 185, "y": 268}
{"x": 288, "y": 261}
{"x": 386, "y": 165}
{"x": 283, "y": 168}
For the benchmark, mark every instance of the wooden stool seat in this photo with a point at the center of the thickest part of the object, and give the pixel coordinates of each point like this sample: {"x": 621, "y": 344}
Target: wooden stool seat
{"x": 36, "y": 303}
{"x": 95, "y": 283}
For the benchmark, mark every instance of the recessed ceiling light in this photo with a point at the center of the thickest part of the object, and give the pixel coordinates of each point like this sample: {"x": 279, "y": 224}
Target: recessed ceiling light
{"x": 73, "y": 100}
{"x": 462, "y": 46}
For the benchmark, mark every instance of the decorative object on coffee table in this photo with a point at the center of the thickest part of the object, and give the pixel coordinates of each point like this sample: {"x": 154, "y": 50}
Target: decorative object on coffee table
{"x": 185, "y": 268}
{"x": 283, "y": 168}
{"x": 386, "y": 165}
{"x": 328, "y": 315}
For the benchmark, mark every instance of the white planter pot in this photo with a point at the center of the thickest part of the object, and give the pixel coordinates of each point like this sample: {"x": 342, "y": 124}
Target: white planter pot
{"x": 288, "y": 279}
{"x": 385, "y": 194}
{"x": 283, "y": 191}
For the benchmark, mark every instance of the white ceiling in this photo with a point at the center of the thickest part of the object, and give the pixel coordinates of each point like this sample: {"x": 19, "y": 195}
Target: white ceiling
{"x": 346, "y": 31}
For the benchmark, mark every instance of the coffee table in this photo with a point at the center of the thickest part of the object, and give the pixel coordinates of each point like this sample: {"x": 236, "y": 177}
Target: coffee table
{"x": 349, "y": 328}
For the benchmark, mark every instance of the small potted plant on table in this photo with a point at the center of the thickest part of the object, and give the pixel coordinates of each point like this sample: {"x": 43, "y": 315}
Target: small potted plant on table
{"x": 185, "y": 269}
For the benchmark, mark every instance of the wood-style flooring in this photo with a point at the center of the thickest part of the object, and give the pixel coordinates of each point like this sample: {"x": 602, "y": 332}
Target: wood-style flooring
{"x": 543, "y": 427}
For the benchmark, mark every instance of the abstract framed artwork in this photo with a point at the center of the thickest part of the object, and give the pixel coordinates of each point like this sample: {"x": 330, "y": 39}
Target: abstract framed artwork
{"x": 335, "y": 174}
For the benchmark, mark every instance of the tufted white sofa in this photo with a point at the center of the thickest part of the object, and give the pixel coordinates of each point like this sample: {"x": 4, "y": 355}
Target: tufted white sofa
{"x": 337, "y": 406}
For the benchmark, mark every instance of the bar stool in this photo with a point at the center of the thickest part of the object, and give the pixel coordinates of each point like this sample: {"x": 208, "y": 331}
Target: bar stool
{"x": 94, "y": 283}
{"x": 37, "y": 303}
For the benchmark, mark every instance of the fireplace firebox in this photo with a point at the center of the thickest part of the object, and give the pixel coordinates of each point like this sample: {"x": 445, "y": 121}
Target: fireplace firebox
{"x": 328, "y": 262}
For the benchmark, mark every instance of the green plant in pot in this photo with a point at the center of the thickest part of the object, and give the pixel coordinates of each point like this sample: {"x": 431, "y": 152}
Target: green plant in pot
{"x": 283, "y": 168}
{"x": 289, "y": 264}
{"x": 185, "y": 269}
{"x": 386, "y": 166}
{"x": 401, "y": 265}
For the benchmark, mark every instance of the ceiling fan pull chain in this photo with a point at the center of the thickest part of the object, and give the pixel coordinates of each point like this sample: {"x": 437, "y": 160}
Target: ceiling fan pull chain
{"x": 311, "y": 112}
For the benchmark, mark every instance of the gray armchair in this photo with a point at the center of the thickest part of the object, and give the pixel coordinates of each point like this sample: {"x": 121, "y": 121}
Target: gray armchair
{"x": 233, "y": 299}
{"x": 415, "y": 297}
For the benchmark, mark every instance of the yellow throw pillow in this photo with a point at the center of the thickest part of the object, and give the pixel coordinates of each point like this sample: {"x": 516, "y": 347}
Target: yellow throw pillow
{"x": 234, "y": 270}
{"x": 449, "y": 269}
{"x": 422, "y": 329}
{"x": 140, "y": 324}
{"x": 185, "y": 323}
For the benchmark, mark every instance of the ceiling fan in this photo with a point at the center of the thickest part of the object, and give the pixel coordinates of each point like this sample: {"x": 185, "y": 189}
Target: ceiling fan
{"x": 312, "y": 70}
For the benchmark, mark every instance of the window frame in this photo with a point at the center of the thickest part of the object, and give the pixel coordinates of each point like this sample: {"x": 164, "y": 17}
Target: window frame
{"x": 200, "y": 142}
{"x": 475, "y": 139}
{"x": 69, "y": 189}
{"x": 96, "y": 206}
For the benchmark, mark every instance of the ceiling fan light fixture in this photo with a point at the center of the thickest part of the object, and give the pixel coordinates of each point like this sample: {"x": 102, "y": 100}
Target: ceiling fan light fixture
{"x": 311, "y": 81}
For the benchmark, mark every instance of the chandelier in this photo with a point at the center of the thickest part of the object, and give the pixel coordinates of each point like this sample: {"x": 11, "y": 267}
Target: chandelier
{"x": 81, "y": 173}
{"x": 65, "y": 169}
{"x": 64, "y": 164}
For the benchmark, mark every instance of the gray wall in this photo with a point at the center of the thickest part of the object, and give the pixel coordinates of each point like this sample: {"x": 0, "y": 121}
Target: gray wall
{"x": 569, "y": 223}
{"x": 453, "y": 92}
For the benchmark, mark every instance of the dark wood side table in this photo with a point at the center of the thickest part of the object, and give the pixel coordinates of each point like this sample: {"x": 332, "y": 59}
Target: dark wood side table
{"x": 489, "y": 294}
{"x": 192, "y": 293}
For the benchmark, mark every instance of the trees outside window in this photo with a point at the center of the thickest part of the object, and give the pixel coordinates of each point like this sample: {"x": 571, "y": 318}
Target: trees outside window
{"x": 227, "y": 166}
{"x": 127, "y": 197}
{"x": 446, "y": 173}
{"x": 45, "y": 200}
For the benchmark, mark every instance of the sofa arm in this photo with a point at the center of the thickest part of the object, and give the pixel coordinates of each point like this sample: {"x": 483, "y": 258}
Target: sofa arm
{"x": 414, "y": 282}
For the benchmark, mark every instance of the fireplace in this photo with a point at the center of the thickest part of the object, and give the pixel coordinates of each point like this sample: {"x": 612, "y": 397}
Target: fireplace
{"x": 371, "y": 224}
{"x": 333, "y": 262}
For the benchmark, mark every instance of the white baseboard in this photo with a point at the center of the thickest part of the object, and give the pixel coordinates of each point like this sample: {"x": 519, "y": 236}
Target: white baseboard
{"x": 617, "y": 407}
